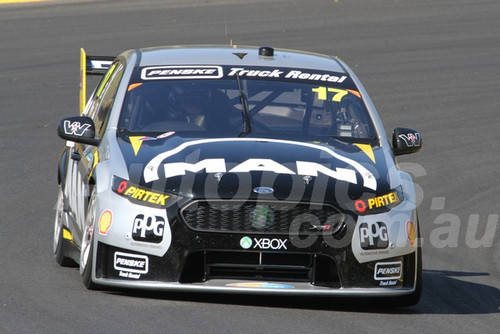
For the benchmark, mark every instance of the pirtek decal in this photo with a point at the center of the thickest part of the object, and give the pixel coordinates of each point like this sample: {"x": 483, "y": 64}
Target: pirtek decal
{"x": 145, "y": 196}
{"x": 376, "y": 202}
{"x": 138, "y": 195}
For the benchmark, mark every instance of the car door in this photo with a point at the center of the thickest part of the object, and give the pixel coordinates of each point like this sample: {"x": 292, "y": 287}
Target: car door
{"x": 84, "y": 158}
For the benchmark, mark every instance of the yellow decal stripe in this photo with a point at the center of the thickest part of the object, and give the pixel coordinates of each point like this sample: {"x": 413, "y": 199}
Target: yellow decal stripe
{"x": 94, "y": 163}
{"x": 105, "y": 80}
{"x": 83, "y": 80}
{"x": 67, "y": 235}
{"x": 367, "y": 149}
{"x": 136, "y": 143}
{"x": 96, "y": 159}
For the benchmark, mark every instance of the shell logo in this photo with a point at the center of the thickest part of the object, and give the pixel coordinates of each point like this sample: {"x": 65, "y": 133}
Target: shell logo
{"x": 411, "y": 232}
{"x": 105, "y": 222}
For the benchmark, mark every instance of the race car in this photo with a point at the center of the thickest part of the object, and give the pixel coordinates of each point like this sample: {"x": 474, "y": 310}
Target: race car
{"x": 234, "y": 169}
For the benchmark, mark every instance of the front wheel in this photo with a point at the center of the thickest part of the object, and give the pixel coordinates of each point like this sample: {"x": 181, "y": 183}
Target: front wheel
{"x": 60, "y": 248}
{"x": 87, "y": 250}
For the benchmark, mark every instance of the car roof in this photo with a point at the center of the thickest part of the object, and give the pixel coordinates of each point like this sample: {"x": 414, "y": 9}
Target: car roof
{"x": 232, "y": 55}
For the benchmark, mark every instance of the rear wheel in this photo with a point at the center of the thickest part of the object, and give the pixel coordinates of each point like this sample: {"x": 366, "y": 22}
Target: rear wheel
{"x": 60, "y": 249}
{"x": 87, "y": 249}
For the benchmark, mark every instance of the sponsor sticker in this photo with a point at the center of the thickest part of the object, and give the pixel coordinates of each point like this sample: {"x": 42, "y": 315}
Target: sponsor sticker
{"x": 411, "y": 232}
{"x": 263, "y": 243}
{"x": 360, "y": 206}
{"x": 377, "y": 202}
{"x": 411, "y": 139}
{"x": 266, "y": 243}
{"x": 388, "y": 271}
{"x": 138, "y": 195}
{"x": 388, "y": 283}
{"x": 219, "y": 165}
{"x": 284, "y": 73}
{"x": 129, "y": 275}
{"x": 105, "y": 221}
{"x": 373, "y": 235}
{"x": 246, "y": 242}
{"x": 148, "y": 228}
{"x": 75, "y": 128}
{"x": 131, "y": 263}
{"x": 181, "y": 72}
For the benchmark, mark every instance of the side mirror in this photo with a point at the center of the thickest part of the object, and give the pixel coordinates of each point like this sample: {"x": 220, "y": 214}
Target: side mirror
{"x": 405, "y": 141}
{"x": 79, "y": 129}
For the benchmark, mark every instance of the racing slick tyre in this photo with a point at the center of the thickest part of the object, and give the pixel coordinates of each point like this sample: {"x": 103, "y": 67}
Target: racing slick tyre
{"x": 60, "y": 249}
{"x": 87, "y": 250}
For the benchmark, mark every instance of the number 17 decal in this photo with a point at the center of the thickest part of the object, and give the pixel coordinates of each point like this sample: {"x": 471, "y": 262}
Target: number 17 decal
{"x": 338, "y": 93}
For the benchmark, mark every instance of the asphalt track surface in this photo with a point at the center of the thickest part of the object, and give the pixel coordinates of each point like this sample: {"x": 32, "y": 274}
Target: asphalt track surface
{"x": 429, "y": 64}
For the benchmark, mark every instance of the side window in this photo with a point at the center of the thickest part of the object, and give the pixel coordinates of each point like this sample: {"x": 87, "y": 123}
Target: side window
{"x": 105, "y": 96}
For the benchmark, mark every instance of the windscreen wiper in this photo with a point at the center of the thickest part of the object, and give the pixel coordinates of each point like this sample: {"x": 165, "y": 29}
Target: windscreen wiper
{"x": 247, "y": 126}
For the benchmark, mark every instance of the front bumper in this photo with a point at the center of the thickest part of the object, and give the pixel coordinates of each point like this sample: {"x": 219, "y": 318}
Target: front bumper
{"x": 189, "y": 259}
{"x": 262, "y": 288}
{"x": 328, "y": 272}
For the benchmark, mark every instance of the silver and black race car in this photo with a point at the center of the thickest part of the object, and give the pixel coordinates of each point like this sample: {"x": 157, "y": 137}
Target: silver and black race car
{"x": 236, "y": 170}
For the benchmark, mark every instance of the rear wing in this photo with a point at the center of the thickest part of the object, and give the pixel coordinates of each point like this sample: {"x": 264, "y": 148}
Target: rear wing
{"x": 91, "y": 65}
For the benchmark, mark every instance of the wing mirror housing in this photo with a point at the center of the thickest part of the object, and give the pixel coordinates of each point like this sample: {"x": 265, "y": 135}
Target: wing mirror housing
{"x": 406, "y": 141}
{"x": 78, "y": 129}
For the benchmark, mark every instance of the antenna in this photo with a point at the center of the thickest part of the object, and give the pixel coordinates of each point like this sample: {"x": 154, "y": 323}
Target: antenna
{"x": 225, "y": 26}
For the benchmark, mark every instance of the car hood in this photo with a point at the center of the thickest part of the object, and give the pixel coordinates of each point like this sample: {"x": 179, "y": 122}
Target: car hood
{"x": 256, "y": 168}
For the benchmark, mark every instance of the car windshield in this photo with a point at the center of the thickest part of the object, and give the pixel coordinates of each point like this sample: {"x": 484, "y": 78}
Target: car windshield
{"x": 239, "y": 105}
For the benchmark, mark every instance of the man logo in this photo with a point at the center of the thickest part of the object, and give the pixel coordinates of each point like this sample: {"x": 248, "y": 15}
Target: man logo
{"x": 246, "y": 242}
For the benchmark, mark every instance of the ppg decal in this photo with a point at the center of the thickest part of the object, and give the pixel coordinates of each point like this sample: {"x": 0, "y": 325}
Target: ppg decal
{"x": 373, "y": 235}
{"x": 148, "y": 228}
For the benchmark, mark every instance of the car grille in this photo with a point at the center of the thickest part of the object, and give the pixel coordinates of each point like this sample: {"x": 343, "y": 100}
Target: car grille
{"x": 261, "y": 217}
{"x": 316, "y": 269}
